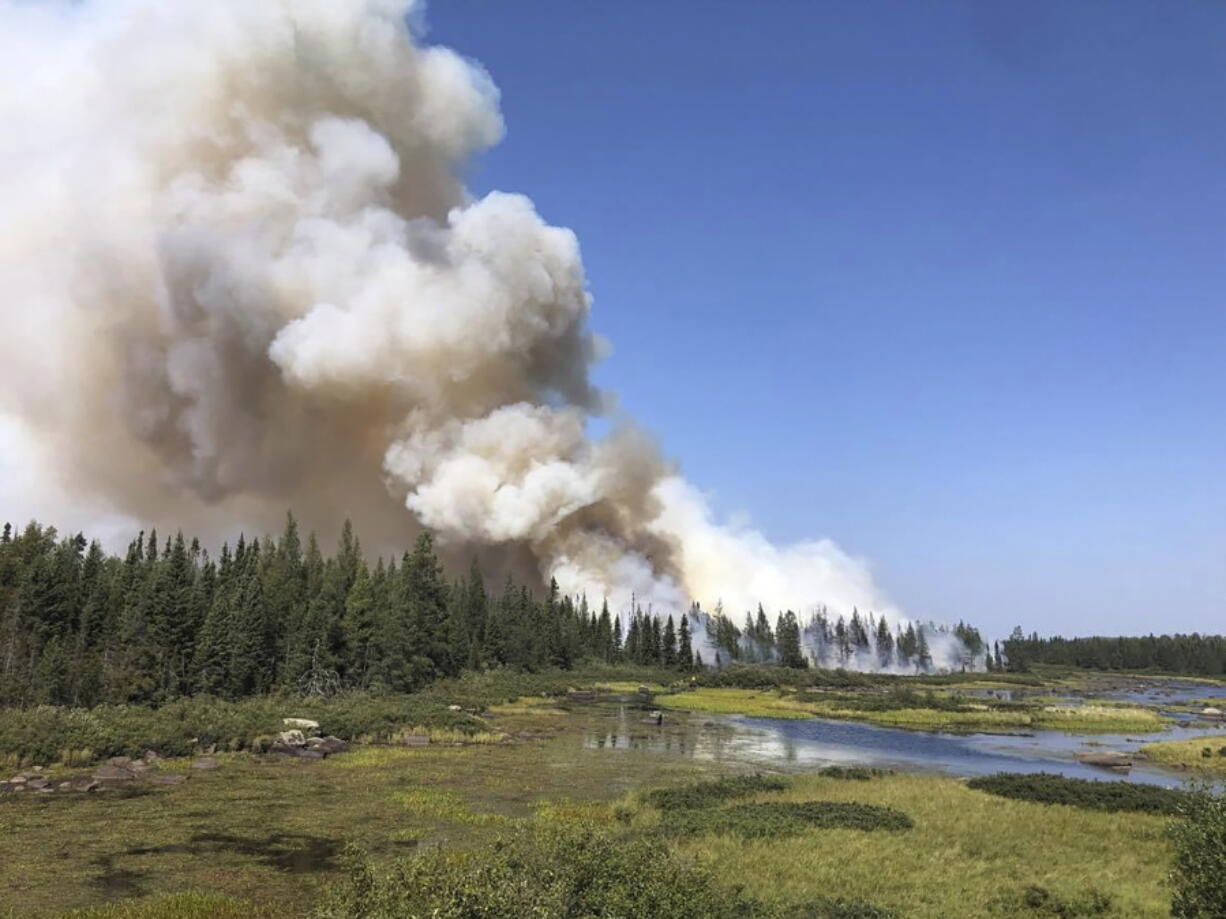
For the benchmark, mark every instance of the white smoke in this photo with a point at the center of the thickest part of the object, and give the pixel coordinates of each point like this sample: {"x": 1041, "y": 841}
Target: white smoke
{"x": 241, "y": 273}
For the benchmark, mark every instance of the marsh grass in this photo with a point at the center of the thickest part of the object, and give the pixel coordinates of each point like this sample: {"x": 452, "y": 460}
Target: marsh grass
{"x": 1191, "y": 753}
{"x": 964, "y": 849}
{"x": 176, "y": 906}
{"x": 272, "y": 831}
{"x": 909, "y": 709}
{"x": 776, "y": 819}
{"x": 435, "y": 806}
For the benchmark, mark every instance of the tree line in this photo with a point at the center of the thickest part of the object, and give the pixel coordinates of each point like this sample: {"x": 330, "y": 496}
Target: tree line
{"x": 79, "y": 626}
{"x": 1202, "y": 655}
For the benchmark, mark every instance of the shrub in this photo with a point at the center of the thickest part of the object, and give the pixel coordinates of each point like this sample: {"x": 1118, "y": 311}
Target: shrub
{"x": 773, "y": 819}
{"x": 1199, "y": 875}
{"x": 715, "y": 791}
{"x": 854, "y": 773}
{"x": 1044, "y": 788}
{"x": 551, "y": 872}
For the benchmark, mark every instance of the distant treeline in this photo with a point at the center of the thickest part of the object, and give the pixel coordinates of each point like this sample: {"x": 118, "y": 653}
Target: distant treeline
{"x": 81, "y": 627}
{"x": 1203, "y": 655}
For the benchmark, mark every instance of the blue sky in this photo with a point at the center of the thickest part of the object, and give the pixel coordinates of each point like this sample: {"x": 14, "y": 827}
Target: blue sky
{"x": 943, "y": 281}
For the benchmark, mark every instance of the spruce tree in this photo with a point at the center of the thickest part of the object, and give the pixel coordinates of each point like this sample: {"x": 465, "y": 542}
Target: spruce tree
{"x": 685, "y": 650}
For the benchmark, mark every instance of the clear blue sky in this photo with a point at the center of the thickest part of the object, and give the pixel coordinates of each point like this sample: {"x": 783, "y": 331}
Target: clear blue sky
{"x": 944, "y": 281}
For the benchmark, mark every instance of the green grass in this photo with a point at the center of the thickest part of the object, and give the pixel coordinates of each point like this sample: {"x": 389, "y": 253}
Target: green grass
{"x": 272, "y": 831}
{"x": 47, "y": 734}
{"x": 965, "y": 858}
{"x": 178, "y": 906}
{"x": 776, "y": 819}
{"x": 1202, "y": 754}
{"x": 915, "y": 711}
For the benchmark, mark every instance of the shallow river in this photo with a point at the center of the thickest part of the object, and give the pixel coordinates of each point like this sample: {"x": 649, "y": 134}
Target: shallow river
{"x": 811, "y": 744}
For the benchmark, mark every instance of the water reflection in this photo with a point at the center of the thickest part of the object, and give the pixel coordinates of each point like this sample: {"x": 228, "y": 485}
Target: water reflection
{"x": 814, "y": 743}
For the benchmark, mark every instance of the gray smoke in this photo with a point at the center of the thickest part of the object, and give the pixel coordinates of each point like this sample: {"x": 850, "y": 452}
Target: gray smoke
{"x": 241, "y": 273}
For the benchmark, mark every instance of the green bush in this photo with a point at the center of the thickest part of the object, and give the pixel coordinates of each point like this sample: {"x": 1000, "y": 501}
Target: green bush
{"x": 854, "y": 773}
{"x": 774, "y": 819}
{"x": 712, "y": 792}
{"x": 1199, "y": 875}
{"x": 1044, "y": 788}
{"x": 556, "y": 872}
{"x": 48, "y": 734}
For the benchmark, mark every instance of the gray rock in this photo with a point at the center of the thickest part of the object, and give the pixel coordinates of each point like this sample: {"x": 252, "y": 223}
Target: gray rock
{"x": 204, "y": 763}
{"x": 150, "y": 756}
{"x": 292, "y": 738}
{"x": 1110, "y": 760}
{"x": 109, "y": 773}
{"x": 19, "y": 779}
{"x": 455, "y": 708}
{"x": 122, "y": 761}
{"x": 170, "y": 778}
{"x": 284, "y": 749}
{"x": 302, "y": 724}
{"x": 327, "y": 745}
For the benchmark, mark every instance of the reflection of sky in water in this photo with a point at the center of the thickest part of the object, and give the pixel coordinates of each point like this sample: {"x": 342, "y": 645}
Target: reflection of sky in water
{"x": 817, "y": 742}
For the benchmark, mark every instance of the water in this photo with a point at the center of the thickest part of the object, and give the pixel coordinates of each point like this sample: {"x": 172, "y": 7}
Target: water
{"x": 814, "y": 743}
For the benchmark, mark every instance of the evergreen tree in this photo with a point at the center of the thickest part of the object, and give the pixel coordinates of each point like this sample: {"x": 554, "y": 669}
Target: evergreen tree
{"x": 685, "y": 651}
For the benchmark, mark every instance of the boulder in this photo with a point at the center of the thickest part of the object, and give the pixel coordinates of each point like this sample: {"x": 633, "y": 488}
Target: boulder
{"x": 19, "y": 779}
{"x": 204, "y": 763}
{"x": 37, "y": 784}
{"x": 1211, "y": 712}
{"x": 109, "y": 773}
{"x": 327, "y": 745}
{"x": 1110, "y": 760}
{"x": 294, "y": 738}
{"x": 302, "y": 724}
{"x": 285, "y": 749}
{"x": 169, "y": 778}
{"x": 150, "y": 756}
{"x": 123, "y": 762}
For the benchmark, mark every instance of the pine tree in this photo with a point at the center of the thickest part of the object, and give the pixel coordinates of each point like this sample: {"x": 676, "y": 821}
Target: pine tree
{"x": 685, "y": 651}
{"x": 923, "y": 658}
{"x": 668, "y": 644}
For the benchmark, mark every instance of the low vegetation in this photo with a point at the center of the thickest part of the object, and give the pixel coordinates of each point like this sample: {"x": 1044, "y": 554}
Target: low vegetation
{"x": 711, "y": 792}
{"x": 1043, "y": 788}
{"x": 777, "y": 819}
{"x": 853, "y": 773}
{"x": 903, "y": 707}
{"x": 43, "y": 735}
{"x": 1199, "y": 875}
{"x": 1204, "y": 754}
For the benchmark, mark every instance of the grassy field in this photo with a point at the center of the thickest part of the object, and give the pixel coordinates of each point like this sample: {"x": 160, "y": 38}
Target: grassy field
{"x": 969, "y": 854}
{"x": 1202, "y": 754}
{"x": 916, "y": 711}
{"x": 263, "y": 830}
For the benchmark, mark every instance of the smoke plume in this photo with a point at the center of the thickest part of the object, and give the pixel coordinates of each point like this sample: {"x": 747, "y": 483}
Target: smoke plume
{"x": 241, "y": 273}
